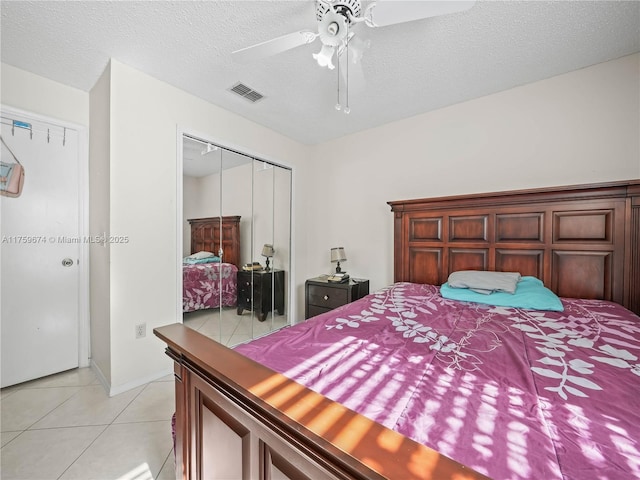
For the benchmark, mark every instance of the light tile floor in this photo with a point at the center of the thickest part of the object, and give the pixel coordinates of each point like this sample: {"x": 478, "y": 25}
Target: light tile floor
{"x": 230, "y": 328}
{"x": 65, "y": 426}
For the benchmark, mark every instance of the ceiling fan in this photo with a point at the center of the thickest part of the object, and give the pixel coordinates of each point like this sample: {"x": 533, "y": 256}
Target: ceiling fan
{"x": 336, "y": 19}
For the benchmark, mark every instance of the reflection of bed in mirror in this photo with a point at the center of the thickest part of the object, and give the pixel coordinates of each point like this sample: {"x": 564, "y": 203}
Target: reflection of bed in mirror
{"x": 212, "y": 282}
{"x": 396, "y": 384}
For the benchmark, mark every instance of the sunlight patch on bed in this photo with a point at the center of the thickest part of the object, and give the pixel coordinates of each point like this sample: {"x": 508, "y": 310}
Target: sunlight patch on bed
{"x": 516, "y": 403}
{"x": 626, "y": 447}
{"x": 486, "y": 420}
{"x": 517, "y": 446}
{"x": 582, "y": 426}
{"x": 320, "y": 357}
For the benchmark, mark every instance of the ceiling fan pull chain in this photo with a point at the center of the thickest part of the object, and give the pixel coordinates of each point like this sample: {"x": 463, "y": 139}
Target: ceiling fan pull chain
{"x": 338, "y": 106}
{"x": 347, "y": 110}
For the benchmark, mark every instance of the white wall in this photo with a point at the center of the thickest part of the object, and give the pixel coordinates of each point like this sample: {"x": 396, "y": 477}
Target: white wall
{"x": 99, "y": 221}
{"x": 575, "y": 128}
{"x": 40, "y": 95}
{"x": 145, "y": 116}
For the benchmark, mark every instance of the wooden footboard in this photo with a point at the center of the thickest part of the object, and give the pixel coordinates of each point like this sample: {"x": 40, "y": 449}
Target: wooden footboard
{"x": 238, "y": 420}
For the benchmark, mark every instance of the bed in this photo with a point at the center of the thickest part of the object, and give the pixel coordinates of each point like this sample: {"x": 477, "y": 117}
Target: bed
{"x": 211, "y": 284}
{"x": 406, "y": 384}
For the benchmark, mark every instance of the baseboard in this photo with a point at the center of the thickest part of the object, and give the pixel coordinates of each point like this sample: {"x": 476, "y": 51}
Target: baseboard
{"x": 115, "y": 390}
{"x": 100, "y": 376}
{"x": 112, "y": 391}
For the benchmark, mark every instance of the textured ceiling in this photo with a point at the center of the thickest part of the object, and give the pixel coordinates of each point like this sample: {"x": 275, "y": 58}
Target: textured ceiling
{"x": 409, "y": 68}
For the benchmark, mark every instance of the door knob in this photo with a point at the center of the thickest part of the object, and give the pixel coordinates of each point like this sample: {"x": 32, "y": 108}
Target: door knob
{"x": 67, "y": 262}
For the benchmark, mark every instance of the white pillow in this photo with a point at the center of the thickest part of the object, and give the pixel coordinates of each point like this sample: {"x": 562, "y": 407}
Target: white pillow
{"x": 201, "y": 255}
{"x": 485, "y": 282}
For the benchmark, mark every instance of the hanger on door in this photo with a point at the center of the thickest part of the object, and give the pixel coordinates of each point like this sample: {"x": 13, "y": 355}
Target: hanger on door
{"x": 11, "y": 175}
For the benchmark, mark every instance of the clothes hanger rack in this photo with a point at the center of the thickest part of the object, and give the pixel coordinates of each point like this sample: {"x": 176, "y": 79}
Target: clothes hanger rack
{"x": 52, "y": 131}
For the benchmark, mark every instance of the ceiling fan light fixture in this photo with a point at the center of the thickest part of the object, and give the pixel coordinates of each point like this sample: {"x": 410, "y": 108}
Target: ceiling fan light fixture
{"x": 332, "y": 29}
{"x": 347, "y": 8}
{"x": 325, "y": 57}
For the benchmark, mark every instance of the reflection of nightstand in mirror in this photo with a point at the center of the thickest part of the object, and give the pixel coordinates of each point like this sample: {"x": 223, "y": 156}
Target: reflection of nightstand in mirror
{"x": 322, "y": 295}
{"x": 258, "y": 286}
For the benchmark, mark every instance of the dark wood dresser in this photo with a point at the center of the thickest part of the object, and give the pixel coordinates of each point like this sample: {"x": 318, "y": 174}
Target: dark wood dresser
{"x": 322, "y": 295}
{"x": 259, "y": 286}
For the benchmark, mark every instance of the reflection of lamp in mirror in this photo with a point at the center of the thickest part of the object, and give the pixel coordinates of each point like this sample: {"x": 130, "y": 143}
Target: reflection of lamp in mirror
{"x": 267, "y": 251}
{"x": 338, "y": 255}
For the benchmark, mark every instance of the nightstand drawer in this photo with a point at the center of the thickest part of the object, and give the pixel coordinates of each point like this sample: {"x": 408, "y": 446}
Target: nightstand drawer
{"x": 322, "y": 295}
{"x": 327, "y": 297}
{"x": 315, "y": 310}
{"x": 257, "y": 290}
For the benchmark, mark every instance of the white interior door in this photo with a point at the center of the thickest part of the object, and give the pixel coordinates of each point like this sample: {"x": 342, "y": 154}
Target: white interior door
{"x": 41, "y": 245}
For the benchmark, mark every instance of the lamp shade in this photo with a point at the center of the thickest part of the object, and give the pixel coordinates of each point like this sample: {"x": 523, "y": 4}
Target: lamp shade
{"x": 267, "y": 250}
{"x": 338, "y": 255}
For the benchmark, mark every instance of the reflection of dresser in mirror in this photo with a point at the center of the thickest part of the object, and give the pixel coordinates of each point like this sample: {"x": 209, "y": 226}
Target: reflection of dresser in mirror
{"x": 261, "y": 291}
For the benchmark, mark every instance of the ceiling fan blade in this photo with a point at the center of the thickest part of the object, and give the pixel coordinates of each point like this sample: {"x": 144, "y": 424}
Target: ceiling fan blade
{"x": 274, "y": 46}
{"x": 390, "y": 12}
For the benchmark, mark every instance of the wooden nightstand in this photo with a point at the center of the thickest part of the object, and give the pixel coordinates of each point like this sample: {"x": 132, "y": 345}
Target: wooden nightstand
{"x": 322, "y": 296}
{"x": 257, "y": 286}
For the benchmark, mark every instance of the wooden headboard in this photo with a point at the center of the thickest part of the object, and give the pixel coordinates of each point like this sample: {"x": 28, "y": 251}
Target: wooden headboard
{"x": 206, "y": 234}
{"x": 582, "y": 241}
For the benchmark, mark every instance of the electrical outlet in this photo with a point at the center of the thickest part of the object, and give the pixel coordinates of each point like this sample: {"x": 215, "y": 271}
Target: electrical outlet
{"x": 141, "y": 330}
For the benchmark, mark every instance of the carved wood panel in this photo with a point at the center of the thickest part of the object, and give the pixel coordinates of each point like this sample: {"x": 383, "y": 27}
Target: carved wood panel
{"x": 588, "y": 226}
{"x": 425, "y": 229}
{"x": 228, "y": 444}
{"x": 582, "y": 274}
{"x": 468, "y": 228}
{"x": 520, "y": 227}
{"x": 468, "y": 259}
{"x": 425, "y": 265}
{"x": 221, "y": 433}
{"x": 527, "y": 262}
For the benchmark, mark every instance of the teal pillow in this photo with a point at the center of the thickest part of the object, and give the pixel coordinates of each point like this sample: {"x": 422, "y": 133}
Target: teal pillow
{"x": 197, "y": 261}
{"x": 530, "y": 294}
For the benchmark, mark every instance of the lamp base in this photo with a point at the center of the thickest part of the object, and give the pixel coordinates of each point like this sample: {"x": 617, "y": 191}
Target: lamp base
{"x": 267, "y": 268}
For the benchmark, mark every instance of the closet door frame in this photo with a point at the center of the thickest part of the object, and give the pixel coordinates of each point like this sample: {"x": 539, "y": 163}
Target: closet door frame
{"x": 180, "y": 132}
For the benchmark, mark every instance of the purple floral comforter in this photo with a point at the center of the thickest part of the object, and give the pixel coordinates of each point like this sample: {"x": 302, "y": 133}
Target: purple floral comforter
{"x": 209, "y": 285}
{"x": 514, "y": 394}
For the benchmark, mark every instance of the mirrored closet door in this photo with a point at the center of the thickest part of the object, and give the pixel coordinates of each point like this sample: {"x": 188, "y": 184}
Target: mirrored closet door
{"x": 236, "y": 243}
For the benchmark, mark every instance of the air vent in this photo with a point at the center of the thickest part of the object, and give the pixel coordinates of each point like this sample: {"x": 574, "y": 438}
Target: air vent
{"x": 246, "y": 92}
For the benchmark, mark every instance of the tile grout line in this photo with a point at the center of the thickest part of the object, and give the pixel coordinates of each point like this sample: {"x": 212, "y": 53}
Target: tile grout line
{"x": 54, "y": 408}
{"x": 84, "y": 450}
{"x": 128, "y": 404}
